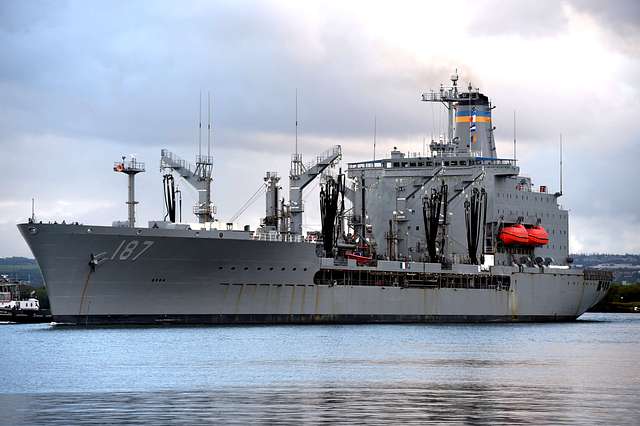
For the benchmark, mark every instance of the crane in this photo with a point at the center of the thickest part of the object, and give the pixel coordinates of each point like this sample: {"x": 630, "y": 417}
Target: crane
{"x": 302, "y": 175}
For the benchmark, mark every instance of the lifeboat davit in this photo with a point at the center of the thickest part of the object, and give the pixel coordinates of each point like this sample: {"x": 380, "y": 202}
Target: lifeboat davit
{"x": 514, "y": 234}
{"x": 538, "y": 236}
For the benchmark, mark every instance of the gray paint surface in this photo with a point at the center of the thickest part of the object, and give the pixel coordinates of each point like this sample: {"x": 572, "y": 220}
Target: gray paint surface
{"x": 211, "y": 279}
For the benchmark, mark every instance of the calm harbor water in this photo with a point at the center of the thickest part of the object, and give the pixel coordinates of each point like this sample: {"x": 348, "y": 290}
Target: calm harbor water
{"x": 585, "y": 372}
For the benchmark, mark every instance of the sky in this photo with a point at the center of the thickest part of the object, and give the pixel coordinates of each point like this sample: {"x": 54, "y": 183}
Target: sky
{"x": 83, "y": 83}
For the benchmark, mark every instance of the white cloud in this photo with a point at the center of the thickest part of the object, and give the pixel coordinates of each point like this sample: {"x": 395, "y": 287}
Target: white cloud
{"x": 86, "y": 83}
{"x": 597, "y": 234}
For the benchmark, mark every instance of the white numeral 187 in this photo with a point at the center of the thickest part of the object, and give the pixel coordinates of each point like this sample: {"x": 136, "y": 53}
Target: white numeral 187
{"x": 125, "y": 250}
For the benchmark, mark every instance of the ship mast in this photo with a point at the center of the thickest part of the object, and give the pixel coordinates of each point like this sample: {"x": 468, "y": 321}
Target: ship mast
{"x": 448, "y": 96}
{"x": 131, "y": 168}
{"x": 469, "y": 127}
{"x": 301, "y": 175}
{"x": 199, "y": 177}
{"x": 449, "y": 105}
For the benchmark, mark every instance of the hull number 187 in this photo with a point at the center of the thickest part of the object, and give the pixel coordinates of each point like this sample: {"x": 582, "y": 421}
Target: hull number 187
{"x": 131, "y": 250}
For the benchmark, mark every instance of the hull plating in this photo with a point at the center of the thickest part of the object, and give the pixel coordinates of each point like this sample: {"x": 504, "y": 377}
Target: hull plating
{"x": 188, "y": 277}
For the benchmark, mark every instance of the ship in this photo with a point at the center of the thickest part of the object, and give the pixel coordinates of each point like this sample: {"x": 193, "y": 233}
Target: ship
{"x": 11, "y": 297}
{"x": 453, "y": 235}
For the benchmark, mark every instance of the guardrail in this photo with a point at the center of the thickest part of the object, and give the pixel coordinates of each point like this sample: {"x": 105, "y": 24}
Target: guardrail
{"x": 204, "y": 159}
{"x": 131, "y": 165}
{"x": 173, "y": 160}
{"x": 323, "y": 157}
{"x": 275, "y": 236}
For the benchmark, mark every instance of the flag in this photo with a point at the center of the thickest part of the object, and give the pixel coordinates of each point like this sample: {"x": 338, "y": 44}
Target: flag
{"x": 472, "y": 127}
{"x": 473, "y": 120}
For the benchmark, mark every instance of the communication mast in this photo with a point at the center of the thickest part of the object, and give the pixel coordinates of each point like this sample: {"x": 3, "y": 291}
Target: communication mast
{"x": 469, "y": 128}
{"x": 131, "y": 168}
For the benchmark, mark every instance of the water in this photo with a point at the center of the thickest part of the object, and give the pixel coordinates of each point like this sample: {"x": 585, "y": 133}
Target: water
{"x": 586, "y": 372}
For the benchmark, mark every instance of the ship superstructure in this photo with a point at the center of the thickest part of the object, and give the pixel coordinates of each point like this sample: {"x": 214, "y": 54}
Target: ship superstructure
{"x": 455, "y": 235}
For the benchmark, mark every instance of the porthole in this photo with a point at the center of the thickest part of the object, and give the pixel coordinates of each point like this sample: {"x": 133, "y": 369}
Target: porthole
{"x": 233, "y": 268}
{"x": 293, "y": 269}
{"x": 271, "y": 268}
{"x": 304, "y": 269}
{"x": 219, "y": 268}
{"x": 259, "y": 268}
{"x": 220, "y": 235}
{"x": 282, "y": 269}
{"x": 246, "y": 268}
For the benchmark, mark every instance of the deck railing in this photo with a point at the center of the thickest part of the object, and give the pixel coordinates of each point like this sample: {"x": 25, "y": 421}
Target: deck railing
{"x": 276, "y": 236}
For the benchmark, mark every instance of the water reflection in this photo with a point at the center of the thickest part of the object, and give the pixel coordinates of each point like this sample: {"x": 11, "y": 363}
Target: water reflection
{"x": 585, "y": 372}
{"x": 408, "y": 404}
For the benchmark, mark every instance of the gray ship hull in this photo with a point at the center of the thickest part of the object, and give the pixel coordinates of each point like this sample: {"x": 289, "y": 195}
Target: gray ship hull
{"x": 147, "y": 276}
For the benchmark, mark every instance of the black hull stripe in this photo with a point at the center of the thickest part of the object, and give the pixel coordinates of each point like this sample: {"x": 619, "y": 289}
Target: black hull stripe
{"x": 267, "y": 319}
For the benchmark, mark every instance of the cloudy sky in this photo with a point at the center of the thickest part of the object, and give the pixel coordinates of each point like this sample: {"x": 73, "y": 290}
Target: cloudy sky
{"x": 82, "y": 83}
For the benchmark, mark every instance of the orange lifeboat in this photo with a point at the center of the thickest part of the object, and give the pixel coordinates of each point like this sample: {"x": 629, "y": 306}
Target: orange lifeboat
{"x": 360, "y": 259}
{"x": 538, "y": 236}
{"x": 514, "y": 234}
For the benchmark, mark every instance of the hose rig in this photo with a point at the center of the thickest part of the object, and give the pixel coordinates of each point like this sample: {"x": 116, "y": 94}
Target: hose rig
{"x": 434, "y": 211}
